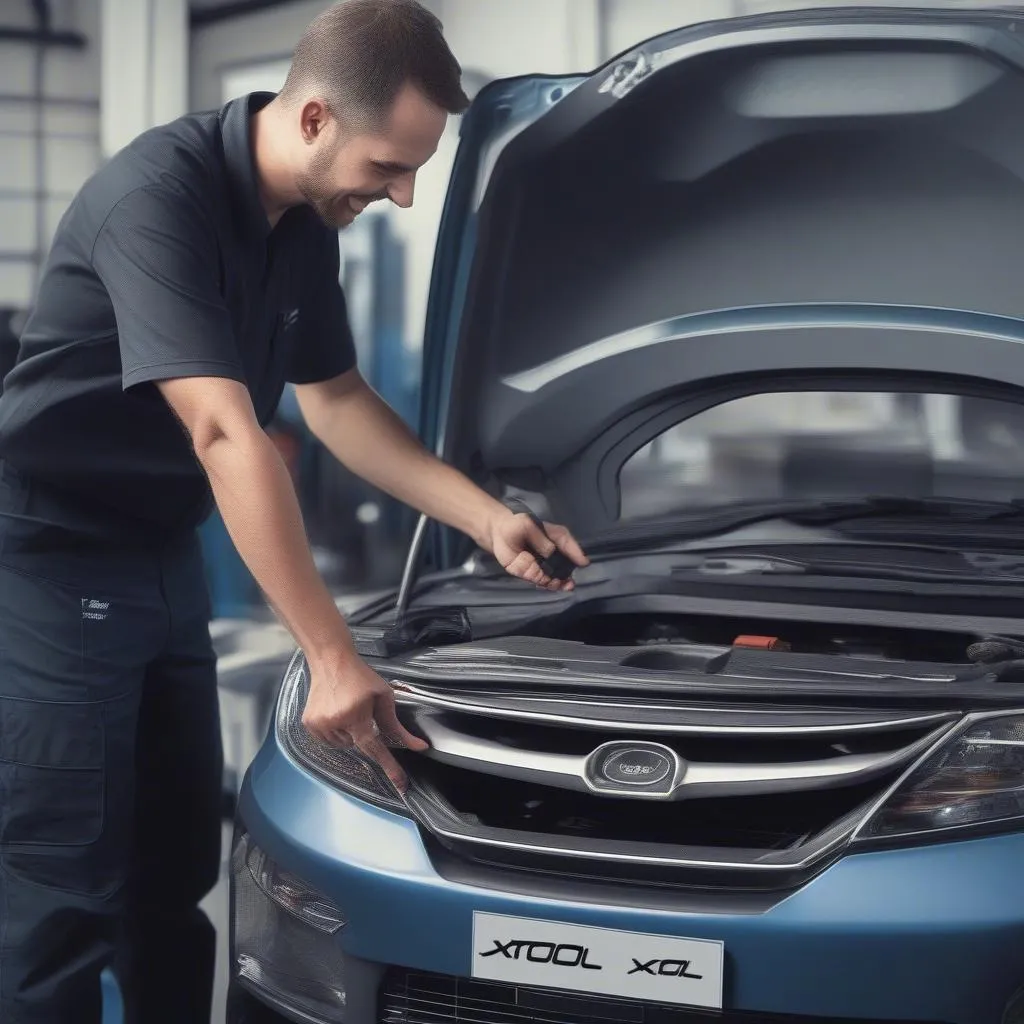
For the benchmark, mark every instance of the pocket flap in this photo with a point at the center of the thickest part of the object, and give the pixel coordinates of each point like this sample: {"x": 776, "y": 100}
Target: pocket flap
{"x": 50, "y": 734}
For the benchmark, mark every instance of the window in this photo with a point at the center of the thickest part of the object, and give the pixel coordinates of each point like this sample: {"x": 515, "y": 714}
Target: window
{"x": 829, "y": 444}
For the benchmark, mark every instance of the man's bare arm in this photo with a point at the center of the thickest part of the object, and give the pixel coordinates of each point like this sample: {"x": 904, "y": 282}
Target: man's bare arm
{"x": 363, "y": 433}
{"x": 257, "y": 501}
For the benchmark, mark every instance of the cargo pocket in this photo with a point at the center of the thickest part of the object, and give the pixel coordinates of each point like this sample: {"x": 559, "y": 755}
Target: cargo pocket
{"x": 52, "y": 783}
{"x": 41, "y": 634}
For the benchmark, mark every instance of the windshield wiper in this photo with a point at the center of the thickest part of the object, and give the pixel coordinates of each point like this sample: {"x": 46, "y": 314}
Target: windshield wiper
{"x": 717, "y": 519}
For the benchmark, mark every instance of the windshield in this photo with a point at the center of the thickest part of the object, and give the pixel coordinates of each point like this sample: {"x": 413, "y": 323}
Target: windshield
{"x": 829, "y": 444}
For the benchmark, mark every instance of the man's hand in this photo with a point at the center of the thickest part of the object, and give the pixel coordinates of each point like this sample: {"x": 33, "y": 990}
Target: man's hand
{"x": 349, "y": 705}
{"x": 512, "y": 537}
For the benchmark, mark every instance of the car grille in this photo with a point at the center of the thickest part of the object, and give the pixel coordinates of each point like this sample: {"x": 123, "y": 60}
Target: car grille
{"x": 411, "y": 997}
{"x": 760, "y": 805}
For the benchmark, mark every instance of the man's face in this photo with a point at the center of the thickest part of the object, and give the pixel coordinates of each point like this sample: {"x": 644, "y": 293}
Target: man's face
{"x": 345, "y": 172}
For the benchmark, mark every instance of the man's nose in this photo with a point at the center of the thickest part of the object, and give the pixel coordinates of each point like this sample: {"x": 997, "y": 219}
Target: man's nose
{"x": 401, "y": 192}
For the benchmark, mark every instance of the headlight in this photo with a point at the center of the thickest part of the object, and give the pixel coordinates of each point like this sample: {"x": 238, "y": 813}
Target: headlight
{"x": 347, "y": 769}
{"x": 283, "y": 938}
{"x": 975, "y": 778}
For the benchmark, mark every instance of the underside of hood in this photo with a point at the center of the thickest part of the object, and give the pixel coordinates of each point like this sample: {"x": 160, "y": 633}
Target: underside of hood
{"x": 825, "y": 199}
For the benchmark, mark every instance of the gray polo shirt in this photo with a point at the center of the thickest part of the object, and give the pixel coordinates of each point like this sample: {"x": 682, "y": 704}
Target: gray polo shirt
{"x": 165, "y": 266}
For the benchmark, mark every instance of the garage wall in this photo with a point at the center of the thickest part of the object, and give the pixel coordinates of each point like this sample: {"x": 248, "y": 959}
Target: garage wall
{"x": 628, "y": 22}
{"x": 70, "y": 121}
{"x": 144, "y": 73}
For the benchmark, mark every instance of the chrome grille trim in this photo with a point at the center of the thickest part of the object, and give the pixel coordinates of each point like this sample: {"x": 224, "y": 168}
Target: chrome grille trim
{"x": 415, "y": 696}
{"x": 690, "y": 780}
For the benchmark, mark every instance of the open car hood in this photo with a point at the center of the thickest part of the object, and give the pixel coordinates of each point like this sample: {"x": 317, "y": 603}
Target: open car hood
{"x": 808, "y": 200}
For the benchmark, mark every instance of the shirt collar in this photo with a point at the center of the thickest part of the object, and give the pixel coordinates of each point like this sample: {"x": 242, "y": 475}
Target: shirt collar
{"x": 236, "y": 130}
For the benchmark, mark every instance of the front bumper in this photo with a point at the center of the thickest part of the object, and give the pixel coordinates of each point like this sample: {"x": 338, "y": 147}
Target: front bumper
{"x": 934, "y": 933}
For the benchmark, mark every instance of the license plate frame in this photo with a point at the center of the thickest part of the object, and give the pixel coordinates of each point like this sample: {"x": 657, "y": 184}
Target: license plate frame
{"x": 610, "y": 962}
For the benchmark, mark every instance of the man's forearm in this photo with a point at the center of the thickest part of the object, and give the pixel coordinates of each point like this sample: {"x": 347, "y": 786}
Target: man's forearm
{"x": 257, "y": 501}
{"x": 364, "y": 434}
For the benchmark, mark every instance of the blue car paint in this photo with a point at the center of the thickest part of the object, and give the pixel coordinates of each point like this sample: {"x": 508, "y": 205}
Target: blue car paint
{"x": 931, "y": 933}
{"x": 113, "y": 1007}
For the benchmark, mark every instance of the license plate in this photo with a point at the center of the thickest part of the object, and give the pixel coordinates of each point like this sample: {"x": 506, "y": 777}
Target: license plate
{"x": 603, "y": 961}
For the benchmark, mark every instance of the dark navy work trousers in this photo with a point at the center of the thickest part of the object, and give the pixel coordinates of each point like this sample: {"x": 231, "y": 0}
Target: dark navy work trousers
{"x": 110, "y": 772}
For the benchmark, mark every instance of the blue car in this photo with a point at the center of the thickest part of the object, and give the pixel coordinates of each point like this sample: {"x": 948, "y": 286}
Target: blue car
{"x": 745, "y": 309}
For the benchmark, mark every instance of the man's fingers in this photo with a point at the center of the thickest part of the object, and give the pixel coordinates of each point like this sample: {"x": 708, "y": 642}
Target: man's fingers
{"x": 391, "y": 729}
{"x": 538, "y": 540}
{"x": 330, "y": 736}
{"x": 341, "y": 738}
{"x": 317, "y": 729}
{"x": 567, "y": 543}
{"x": 371, "y": 742}
{"x": 376, "y": 749}
{"x": 525, "y": 566}
{"x": 560, "y": 585}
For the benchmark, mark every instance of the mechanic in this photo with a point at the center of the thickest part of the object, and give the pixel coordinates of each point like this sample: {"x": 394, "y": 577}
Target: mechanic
{"x": 191, "y": 277}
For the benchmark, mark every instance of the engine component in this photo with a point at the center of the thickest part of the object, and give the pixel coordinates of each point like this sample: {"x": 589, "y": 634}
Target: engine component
{"x": 761, "y": 643}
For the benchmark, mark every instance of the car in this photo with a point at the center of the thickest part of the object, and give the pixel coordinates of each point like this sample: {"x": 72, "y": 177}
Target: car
{"x": 713, "y": 307}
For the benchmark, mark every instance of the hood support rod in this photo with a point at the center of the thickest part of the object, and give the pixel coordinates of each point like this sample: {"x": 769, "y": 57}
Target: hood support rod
{"x": 409, "y": 570}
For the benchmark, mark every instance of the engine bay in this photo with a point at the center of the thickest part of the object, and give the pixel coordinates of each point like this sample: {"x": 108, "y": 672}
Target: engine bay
{"x": 880, "y": 643}
{"x": 634, "y": 642}
{"x": 658, "y": 637}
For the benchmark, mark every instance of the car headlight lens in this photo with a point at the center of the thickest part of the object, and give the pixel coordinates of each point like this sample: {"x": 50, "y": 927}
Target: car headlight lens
{"x": 347, "y": 769}
{"x": 975, "y": 778}
{"x": 291, "y": 894}
{"x": 283, "y": 938}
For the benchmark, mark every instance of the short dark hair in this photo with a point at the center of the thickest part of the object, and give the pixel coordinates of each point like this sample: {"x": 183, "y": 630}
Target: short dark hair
{"x": 361, "y": 53}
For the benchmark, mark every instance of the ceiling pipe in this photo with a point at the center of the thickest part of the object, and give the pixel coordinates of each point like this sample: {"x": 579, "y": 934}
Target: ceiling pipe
{"x": 47, "y": 37}
{"x": 43, "y": 33}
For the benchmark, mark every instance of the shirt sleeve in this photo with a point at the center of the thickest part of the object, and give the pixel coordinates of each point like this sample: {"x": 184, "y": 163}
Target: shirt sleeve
{"x": 324, "y": 347}
{"x": 158, "y": 258}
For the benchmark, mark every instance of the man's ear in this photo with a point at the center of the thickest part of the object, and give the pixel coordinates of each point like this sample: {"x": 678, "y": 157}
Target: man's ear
{"x": 314, "y": 120}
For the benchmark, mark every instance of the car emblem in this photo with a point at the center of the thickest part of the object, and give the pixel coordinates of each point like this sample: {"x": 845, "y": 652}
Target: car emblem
{"x": 635, "y": 769}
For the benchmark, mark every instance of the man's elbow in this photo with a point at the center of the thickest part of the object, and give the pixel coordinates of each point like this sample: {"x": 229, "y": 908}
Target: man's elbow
{"x": 215, "y": 414}
{"x": 208, "y": 435}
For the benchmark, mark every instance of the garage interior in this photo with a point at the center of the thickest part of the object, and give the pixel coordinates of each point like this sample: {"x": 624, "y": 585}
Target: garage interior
{"x": 79, "y": 79}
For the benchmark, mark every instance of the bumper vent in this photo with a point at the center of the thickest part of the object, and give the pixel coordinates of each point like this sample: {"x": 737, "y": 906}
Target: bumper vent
{"x": 415, "y": 998}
